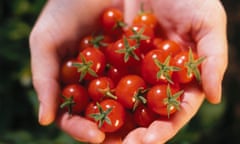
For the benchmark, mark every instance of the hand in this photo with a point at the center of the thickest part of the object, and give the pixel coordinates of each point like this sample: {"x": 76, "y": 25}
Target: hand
{"x": 201, "y": 25}
{"x": 62, "y": 23}
{"x": 54, "y": 36}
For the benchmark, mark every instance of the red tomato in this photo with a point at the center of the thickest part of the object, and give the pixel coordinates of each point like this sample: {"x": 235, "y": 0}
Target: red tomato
{"x": 100, "y": 88}
{"x": 74, "y": 98}
{"x": 169, "y": 47}
{"x": 111, "y": 112}
{"x": 91, "y": 108}
{"x": 189, "y": 64}
{"x": 146, "y": 18}
{"x": 143, "y": 35}
{"x": 91, "y": 63}
{"x": 123, "y": 53}
{"x": 112, "y": 22}
{"x": 128, "y": 126}
{"x": 130, "y": 91}
{"x": 116, "y": 73}
{"x": 100, "y": 41}
{"x": 144, "y": 116}
{"x": 68, "y": 72}
{"x": 156, "y": 67}
{"x": 164, "y": 99}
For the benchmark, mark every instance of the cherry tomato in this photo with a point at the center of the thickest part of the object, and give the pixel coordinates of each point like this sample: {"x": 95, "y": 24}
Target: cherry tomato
{"x": 112, "y": 22}
{"x": 143, "y": 35}
{"x": 123, "y": 53}
{"x": 164, "y": 99}
{"x": 156, "y": 67}
{"x": 91, "y": 63}
{"x": 146, "y": 18}
{"x": 75, "y": 98}
{"x": 99, "y": 41}
{"x": 68, "y": 72}
{"x": 100, "y": 88}
{"x": 116, "y": 73}
{"x": 130, "y": 91}
{"x": 110, "y": 115}
{"x": 144, "y": 116}
{"x": 91, "y": 108}
{"x": 169, "y": 47}
{"x": 189, "y": 63}
{"x": 128, "y": 126}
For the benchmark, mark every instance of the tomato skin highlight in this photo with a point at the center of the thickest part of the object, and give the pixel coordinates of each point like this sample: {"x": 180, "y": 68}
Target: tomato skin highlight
{"x": 80, "y": 97}
{"x": 127, "y": 88}
{"x": 156, "y": 97}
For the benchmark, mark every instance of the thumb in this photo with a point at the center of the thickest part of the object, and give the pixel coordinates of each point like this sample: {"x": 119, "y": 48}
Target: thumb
{"x": 212, "y": 43}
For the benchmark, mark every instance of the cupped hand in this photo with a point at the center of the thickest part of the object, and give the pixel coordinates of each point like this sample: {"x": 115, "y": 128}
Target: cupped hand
{"x": 54, "y": 36}
{"x": 200, "y": 25}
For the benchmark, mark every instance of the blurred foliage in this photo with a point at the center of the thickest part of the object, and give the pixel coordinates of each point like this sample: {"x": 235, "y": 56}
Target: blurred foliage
{"x": 18, "y": 104}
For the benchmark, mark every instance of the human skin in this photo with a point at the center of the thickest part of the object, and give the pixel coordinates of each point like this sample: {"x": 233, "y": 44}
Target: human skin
{"x": 196, "y": 23}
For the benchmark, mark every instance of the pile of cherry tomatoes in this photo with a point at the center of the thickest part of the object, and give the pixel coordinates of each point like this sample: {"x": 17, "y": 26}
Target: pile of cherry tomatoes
{"x": 127, "y": 76}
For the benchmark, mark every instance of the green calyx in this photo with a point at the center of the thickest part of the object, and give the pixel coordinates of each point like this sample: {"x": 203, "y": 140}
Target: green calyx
{"x": 102, "y": 116}
{"x": 138, "y": 36}
{"x": 84, "y": 68}
{"x": 172, "y": 100}
{"x": 165, "y": 69}
{"x": 128, "y": 51}
{"x": 192, "y": 65}
{"x": 68, "y": 102}
{"x": 139, "y": 97}
{"x": 97, "y": 41}
{"x": 107, "y": 92}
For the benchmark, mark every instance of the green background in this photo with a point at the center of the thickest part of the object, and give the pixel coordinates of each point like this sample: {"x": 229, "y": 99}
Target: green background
{"x": 18, "y": 102}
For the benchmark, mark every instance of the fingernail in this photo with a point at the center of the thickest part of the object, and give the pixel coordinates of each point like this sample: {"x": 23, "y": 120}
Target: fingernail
{"x": 43, "y": 117}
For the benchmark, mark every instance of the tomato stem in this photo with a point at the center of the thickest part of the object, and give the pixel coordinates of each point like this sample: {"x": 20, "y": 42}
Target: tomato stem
{"x": 139, "y": 97}
{"x": 128, "y": 51}
{"x": 192, "y": 65}
{"x": 108, "y": 92}
{"x": 68, "y": 102}
{"x": 84, "y": 67}
{"x": 102, "y": 116}
{"x": 165, "y": 69}
{"x": 172, "y": 100}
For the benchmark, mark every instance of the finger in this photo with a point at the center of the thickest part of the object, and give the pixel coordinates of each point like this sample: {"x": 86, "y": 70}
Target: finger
{"x": 161, "y": 131}
{"x": 213, "y": 46}
{"x": 135, "y": 136}
{"x": 80, "y": 128}
{"x": 44, "y": 64}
